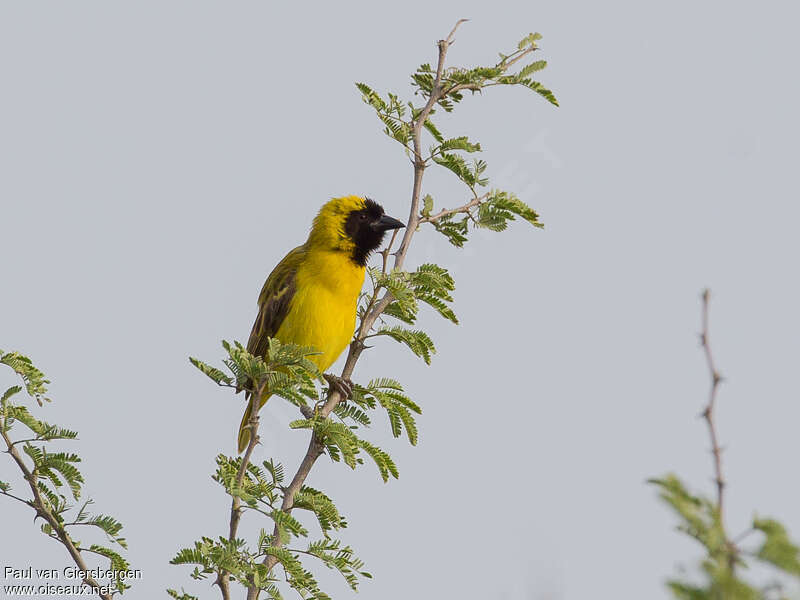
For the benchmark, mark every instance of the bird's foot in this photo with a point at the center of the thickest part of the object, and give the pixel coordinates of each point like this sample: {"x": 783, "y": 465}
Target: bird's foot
{"x": 341, "y": 385}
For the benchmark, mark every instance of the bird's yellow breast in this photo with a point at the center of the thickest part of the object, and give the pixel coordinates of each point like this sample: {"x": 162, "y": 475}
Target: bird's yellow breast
{"x": 323, "y": 309}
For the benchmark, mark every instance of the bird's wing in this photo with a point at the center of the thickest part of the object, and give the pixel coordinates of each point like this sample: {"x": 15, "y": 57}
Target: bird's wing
{"x": 275, "y": 300}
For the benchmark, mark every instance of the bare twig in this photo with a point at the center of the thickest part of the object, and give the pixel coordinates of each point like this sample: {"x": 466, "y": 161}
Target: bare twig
{"x": 385, "y": 252}
{"x": 708, "y": 411}
{"x": 708, "y": 414}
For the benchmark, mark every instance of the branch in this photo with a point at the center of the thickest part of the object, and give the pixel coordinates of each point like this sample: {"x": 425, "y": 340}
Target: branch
{"x": 708, "y": 412}
{"x": 708, "y": 415}
{"x": 224, "y": 577}
{"x": 504, "y": 64}
{"x": 43, "y": 510}
{"x": 315, "y": 447}
{"x": 465, "y": 208}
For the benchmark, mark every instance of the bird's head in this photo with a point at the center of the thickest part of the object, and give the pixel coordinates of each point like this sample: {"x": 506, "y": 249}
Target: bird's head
{"x": 351, "y": 224}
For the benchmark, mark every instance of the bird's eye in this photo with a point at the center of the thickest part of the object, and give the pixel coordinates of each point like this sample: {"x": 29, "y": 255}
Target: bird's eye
{"x": 363, "y": 217}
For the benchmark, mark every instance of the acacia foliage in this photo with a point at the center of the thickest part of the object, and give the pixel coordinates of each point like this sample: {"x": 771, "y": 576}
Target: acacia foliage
{"x": 389, "y": 309}
{"x": 720, "y": 573}
{"x": 53, "y": 482}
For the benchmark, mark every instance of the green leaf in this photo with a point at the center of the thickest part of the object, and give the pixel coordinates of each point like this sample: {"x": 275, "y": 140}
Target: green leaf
{"x": 699, "y": 517}
{"x": 53, "y": 432}
{"x": 57, "y": 503}
{"x": 531, "y": 68}
{"x": 509, "y": 202}
{"x": 423, "y": 81}
{"x": 529, "y": 41}
{"x": 353, "y": 413}
{"x": 433, "y": 279}
{"x": 398, "y": 311}
{"x": 371, "y": 97}
{"x": 34, "y": 380}
{"x": 539, "y": 89}
{"x": 502, "y": 207}
{"x": 454, "y": 230}
{"x": 396, "y": 129}
{"x": 322, "y": 506}
{"x": 287, "y": 526}
{"x": 21, "y": 414}
{"x": 338, "y": 438}
{"x": 215, "y": 374}
{"x": 109, "y": 525}
{"x": 275, "y": 470}
{"x": 459, "y": 143}
{"x": 398, "y": 406}
{"x": 48, "y": 464}
{"x": 14, "y": 389}
{"x": 382, "y": 460}
{"x": 457, "y": 165}
{"x": 289, "y": 561}
{"x": 428, "y": 124}
{"x": 182, "y": 595}
{"x": 417, "y": 340}
{"x": 427, "y": 205}
{"x": 118, "y": 563}
{"x": 777, "y": 549}
{"x": 254, "y": 487}
{"x": 440, "y": 307}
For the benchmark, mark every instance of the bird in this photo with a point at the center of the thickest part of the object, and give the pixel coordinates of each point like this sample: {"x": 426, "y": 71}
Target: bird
{"x": 310, "y": 298}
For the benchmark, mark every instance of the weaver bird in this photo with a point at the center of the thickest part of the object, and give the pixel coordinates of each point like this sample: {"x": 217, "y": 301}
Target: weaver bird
{"x": 310, "y": 298}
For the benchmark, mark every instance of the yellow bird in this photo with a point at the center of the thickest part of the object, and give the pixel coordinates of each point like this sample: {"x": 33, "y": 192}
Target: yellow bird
{"x": 310, "y": 298}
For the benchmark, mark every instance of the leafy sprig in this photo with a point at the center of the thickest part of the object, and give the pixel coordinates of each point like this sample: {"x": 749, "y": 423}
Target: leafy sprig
{"x": 52, "y": 476}
{"x": 444, "y": 88}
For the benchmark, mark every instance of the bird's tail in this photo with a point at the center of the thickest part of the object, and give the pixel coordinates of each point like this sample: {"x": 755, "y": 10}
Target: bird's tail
{"x": 244, "y": 430}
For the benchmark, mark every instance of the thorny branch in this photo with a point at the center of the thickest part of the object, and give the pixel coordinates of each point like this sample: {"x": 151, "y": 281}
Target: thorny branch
{"x": 708, "y": 412}
{"x": 315, "y": 446}
{"x": 708, "y": 415}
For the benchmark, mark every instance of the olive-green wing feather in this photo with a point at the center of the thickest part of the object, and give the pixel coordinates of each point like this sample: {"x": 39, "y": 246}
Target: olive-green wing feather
{"x": 273, "y": 306}
{"x": 275, "y": 300}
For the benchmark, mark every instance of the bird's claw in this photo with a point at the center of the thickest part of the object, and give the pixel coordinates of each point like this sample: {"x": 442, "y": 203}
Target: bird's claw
{"x": 341, "y": 385}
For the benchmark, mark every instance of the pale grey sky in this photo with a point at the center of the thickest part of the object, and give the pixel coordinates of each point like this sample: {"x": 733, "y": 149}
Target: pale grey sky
{"x": 158, "y": 158}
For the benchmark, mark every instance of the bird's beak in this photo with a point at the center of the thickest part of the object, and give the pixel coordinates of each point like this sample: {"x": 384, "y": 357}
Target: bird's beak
{"x": 386, "y": 222}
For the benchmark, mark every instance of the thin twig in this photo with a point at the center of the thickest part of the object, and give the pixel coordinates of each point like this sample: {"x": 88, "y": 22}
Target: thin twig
{"x": 465, "y": 208}
{"x": 708, "y": 414}
{"x": 223, "y": 577}
{"x": 385, "y": 252}
{"x": 13, "y": 497}
{"x": 504, "y": 64}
